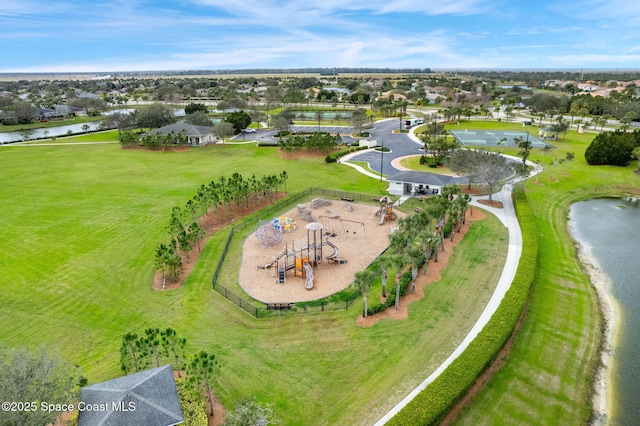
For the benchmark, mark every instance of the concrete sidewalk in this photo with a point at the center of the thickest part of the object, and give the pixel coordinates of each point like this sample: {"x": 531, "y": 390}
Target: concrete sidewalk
{"x": 507, "y": 216}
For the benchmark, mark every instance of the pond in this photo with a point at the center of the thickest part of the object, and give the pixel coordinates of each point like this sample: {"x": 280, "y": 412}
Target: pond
{"x": 609, "y": 231}
{"x": 67, "y": 129}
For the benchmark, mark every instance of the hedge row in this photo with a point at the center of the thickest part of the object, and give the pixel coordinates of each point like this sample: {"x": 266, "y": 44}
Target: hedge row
{"x": 439, "y": 397}
{"x": 333, "y": 157}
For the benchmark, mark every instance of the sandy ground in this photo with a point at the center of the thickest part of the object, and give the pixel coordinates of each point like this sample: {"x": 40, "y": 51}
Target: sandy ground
{"x": 607, "y": 307}
{"x": 358, "y": 236}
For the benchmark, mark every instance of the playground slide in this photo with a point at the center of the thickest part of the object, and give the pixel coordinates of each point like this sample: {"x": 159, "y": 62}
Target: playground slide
{"x": 309, "y": 274}
{"x": 270, "y": 264}
{"x": 383, "y": 212}
{"x": 336, "y": 252}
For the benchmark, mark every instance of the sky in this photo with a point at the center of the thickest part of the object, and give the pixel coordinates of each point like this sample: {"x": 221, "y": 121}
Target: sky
{"x": 137, "y": 35}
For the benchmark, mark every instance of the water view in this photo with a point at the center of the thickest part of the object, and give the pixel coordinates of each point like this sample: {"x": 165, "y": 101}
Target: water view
{"x": 610, "y": 231}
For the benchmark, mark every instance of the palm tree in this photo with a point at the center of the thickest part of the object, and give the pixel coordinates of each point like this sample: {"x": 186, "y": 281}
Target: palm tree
{"x": 525, "y": 146}
{"x": 385, "y": 263}
{"x": 426, "y": 240}
{"x": 400, "y": 262}
{"x": 363, "y": 280}
{"x": 415, "y": 256}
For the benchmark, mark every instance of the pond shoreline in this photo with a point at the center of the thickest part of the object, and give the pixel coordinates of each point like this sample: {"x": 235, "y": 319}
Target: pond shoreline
{"x": 607, "y": 305}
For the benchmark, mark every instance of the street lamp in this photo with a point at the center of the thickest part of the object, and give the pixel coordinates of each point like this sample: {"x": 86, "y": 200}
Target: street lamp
{"x": 381, "y": 159}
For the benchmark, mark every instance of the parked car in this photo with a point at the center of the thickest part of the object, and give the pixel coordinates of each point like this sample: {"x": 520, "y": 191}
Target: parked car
{"x": 249, "y": 130}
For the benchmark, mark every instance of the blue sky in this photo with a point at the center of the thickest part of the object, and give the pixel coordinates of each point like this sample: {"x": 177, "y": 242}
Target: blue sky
{"x": 138, "y": 35}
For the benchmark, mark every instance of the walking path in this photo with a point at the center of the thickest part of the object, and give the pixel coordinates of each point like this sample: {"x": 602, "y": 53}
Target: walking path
{"x": 507, "y": 216}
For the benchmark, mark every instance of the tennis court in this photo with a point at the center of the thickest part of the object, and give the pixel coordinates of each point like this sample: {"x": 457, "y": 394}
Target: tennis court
{"x": 493, "y": 138}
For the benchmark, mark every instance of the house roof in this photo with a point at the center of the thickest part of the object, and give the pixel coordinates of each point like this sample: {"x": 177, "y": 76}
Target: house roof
{"x": 190, "y": 129}
{"x": 425, "y": 178}
{"x": 146, "y": 398}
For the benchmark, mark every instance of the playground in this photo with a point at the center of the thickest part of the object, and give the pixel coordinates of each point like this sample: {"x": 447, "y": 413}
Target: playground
{"x": 481, "y": 138}
{"x": 344, "y": 238}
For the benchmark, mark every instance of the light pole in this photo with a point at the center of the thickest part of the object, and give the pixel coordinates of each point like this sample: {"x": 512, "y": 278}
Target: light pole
{"x": 381, "y": 159}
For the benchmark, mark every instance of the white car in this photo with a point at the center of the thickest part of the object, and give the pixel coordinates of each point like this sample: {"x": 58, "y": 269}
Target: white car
{"x": 249, "y": 130}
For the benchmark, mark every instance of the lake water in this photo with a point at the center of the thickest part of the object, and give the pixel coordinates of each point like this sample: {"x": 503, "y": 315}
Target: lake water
{"x": 68, "y": 129}
{"x": 610, "y": 231}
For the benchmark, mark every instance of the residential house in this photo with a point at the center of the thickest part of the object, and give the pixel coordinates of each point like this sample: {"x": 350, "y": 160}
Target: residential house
{"x": 196, "y": 135}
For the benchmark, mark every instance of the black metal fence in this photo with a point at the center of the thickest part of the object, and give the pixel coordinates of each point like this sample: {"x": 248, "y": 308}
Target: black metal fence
{"x": 292, "y": 308}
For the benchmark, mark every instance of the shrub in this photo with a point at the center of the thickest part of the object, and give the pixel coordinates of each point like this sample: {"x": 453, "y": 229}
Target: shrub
{"x": 612, "y": 148}
{"x": 423, "y": 160}
{"x": 405, "y": 282}
{"x": 192, "y": 403}
{"x": 437, "y": 399}
{"x": 447, "y": 229}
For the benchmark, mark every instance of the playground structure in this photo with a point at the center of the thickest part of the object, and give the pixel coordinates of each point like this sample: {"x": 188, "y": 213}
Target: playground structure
{"x": 270, "y": 232}
{"x": 335, "y": 225}
{"x": 386, "y": 210}
{"x": 303, "y": 256}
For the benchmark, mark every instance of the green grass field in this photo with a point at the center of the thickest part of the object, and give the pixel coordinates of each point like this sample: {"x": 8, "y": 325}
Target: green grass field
{"x": 80, "y": 231}
{"x": 546, "y": 379}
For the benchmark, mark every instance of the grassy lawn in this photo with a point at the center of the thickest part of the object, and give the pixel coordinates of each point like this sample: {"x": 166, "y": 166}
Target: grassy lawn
{"x": 365, "y": 166}
{"x": 547, "y": 376}
{"x": 76, "y": 269}
{"x": 413, "y": 163}
{"x": 106, "y": 136}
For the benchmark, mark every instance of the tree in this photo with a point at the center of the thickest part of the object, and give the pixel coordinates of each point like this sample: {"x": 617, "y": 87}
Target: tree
{"x": 198, "y": 118}
{"x": 33, "y": 376}
{"x": 464, "y": 162}
{"x": 281, "y": 124}
{"x": 153, "y": 116}
{"x": 26, "y": 134}
{"x": 385, "y": 263}
{"x": 485, "y": 166}
{"x": 151, "y": 345}
{"x": 184, "y": 241}
{"x": 416, "y": 258}
{"x": 249, "y": 412}
{"x": 240, "y": 120}
{"x": 195, "y": 107}
{"x": 612, "y": 148}
{"x": 196, "y": 234}
{"x": 202, "y": 371}
{"x": 359, "y": 119}
{"x": 223, "y": 130}
{"x": 132, "y": 356}
{"x": 634, "y": 154}
{"x": 25, "y": 112}
{"x": 174, "y": 346}
{"x": 363, "y": 280}
{"x": 525, "y": 146}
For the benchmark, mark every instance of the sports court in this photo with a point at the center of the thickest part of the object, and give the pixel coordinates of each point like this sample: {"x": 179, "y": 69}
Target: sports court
{"x": 493, "y": 138}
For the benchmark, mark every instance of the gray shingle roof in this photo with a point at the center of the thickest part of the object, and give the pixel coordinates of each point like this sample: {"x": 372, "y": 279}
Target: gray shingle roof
{"x": 426, "y": 178}
{"x": 147, "y": 398}
{"x": 190, "y": 129}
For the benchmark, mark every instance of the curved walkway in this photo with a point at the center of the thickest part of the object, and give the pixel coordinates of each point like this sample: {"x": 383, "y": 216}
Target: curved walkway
{"x": 507, "y": 216}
